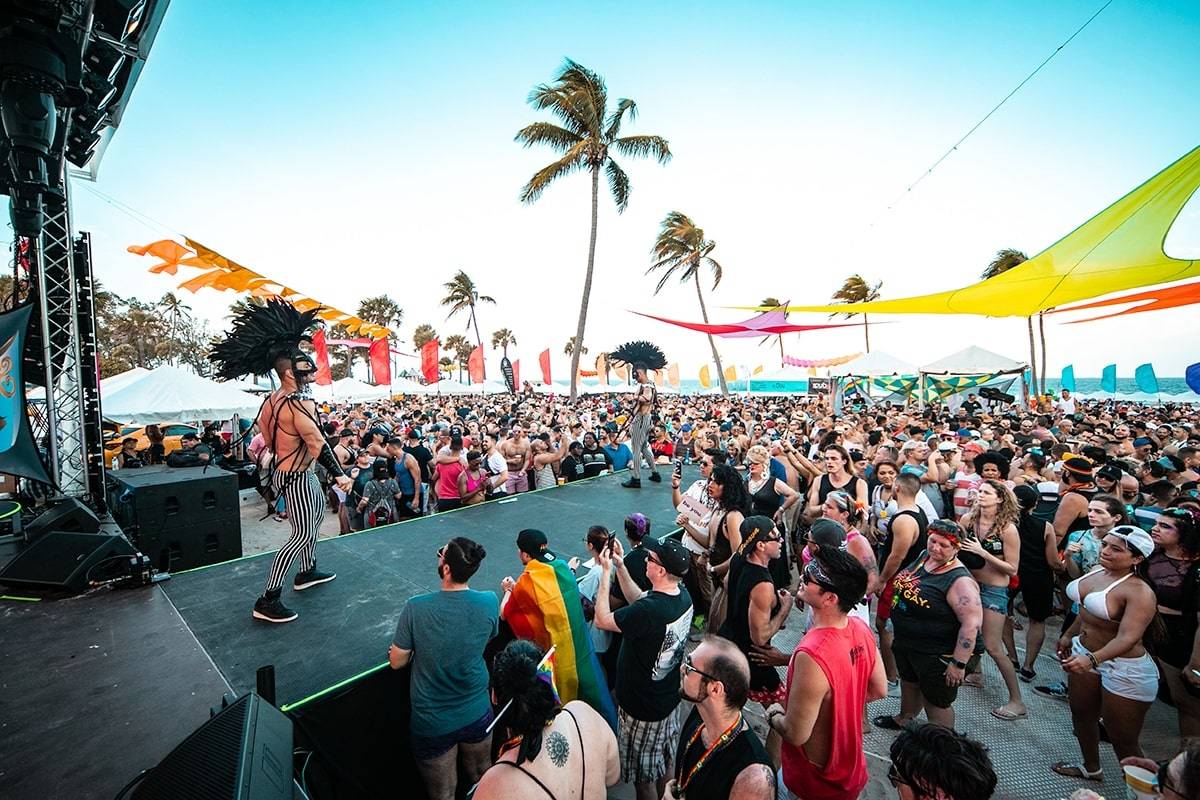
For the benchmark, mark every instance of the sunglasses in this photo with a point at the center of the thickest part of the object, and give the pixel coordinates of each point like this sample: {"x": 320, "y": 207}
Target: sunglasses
{"x": 689, "y": 668}
{"x": 653, "y": 559}
{"x": 809, "y": 576}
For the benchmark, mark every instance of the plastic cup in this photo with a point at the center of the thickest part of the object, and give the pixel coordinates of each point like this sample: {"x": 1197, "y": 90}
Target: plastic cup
{"x": 1140, "y": 784}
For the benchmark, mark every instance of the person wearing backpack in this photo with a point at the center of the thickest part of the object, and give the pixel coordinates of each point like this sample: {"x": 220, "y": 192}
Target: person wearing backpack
{"x": 379, "y": 497}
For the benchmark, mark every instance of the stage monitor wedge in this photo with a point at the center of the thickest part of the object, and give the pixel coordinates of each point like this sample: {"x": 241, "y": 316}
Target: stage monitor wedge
{"x": 67, "y": 561}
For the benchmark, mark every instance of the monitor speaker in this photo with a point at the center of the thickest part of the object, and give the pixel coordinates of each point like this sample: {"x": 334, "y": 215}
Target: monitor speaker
{"x": 995, "y": 395}
{"x": 67, "y": 561}
{"x": 243, "y": 753}
{"x": 68, "y": 515}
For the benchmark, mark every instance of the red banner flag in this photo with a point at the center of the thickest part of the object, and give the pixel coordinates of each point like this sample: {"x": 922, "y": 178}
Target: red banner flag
{"x": 517, "y": 374}
{"x": 321, "y": 356}
{"x": 544, "y": 363}
{"x": 429, "y": 361}
{"x": 475, "y": 365}
{"x": 381, "y": 364}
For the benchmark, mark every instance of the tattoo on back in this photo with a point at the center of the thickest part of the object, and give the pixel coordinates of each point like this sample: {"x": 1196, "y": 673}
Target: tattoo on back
{"x": 558, "y": 748}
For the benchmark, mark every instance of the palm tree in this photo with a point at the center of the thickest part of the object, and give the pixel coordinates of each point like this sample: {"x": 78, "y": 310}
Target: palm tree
{"x": 446, "y": 363}
{"x": 775, "y": 304}
{"x": 423, "y": 335}
{"x": 176, "y": 311}
{"x": 589, "y": 133}
{"x": 681, "y": 247}
{"x": 1003, "y": 261}
{"x": 243, "y": 303}
{"x": 462, "y": 295}
{"x": 461, "y": 348}
{"x": 570, "y": 348}
{"x": 855, "y": 289}
{"x": 381, "y": 310}
{"x": 502, "y": 339}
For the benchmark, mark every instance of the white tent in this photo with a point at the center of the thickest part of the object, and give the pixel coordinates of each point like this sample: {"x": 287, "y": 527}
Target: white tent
{"x": 973, "y": 360}
{"x": 490, "y": 386}
{"x": 350, "y": 390}
{"x": 447, "y": 386}
{"x": 167, "y": 394}
{"x": 407, "y": 386}
{"x": 874, "y": 364}
{"x": 109, "y": 384}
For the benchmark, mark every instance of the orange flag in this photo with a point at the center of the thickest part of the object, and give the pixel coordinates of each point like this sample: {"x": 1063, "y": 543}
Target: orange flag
{"x": 517, "y": 374}
{"x": 658, "y": 377}
{"x": 673, "y": 375}
{"x": 381, "y": 362}
{"x": 321, "y": 353}
{"x": 731, "y": 374}
{"x": 475, "y": 365}
{"x": 705, "y": 380}
{"x": 544, "y": 363}
{"x": 429, "y": 361}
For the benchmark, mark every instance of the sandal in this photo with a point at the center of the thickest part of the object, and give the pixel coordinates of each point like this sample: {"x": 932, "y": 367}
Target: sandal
{"x": 887, "y": 722}
{"x": 974, "y": 680}
{"x": 1069, "y": 770}
{"x": 1026, "y": 675}
{"x": 1008, "y": 716}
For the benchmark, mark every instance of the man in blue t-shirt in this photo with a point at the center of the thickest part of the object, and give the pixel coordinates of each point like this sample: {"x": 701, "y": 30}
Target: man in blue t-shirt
{"x": 442, "y": 635}
{"x": 619, "y": 452}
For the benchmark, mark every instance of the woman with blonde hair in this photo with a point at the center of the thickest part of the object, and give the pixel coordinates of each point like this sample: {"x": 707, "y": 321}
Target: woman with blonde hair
{"x": 773, "y": 499}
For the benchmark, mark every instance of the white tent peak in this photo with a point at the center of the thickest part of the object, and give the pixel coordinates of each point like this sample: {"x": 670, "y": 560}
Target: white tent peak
{"x": 873, "y": 364}
{"x": 167, "y": 394}
{"x": 973, "y": 360}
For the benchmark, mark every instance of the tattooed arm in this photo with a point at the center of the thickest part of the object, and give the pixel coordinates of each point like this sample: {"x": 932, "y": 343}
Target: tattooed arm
{"x": 755, "y": 782}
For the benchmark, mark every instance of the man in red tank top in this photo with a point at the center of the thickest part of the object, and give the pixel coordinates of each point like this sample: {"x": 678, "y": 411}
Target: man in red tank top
{"x": 835, "y": 671}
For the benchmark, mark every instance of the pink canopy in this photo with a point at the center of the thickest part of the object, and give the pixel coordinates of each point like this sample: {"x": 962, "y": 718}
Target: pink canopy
{"x": 768, "y": 323}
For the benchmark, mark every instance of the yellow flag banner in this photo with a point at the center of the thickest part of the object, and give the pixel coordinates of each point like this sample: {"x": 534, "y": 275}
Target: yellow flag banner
{"x": 658, "y": 377}
{"x": 731, "y": 374}
{"x": 673, "y": 375}
{"x": 1118, "y": 249}
{"x": 705, "y": 380}
{"x": 757, "y": 370}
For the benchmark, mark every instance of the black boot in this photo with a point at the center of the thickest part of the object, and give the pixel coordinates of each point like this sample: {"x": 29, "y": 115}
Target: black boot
{"x": 313, "y": 577}
{"x": 632, "y": 483}
{"x": 270, "y": 608}
{"x": 655, "y": 477}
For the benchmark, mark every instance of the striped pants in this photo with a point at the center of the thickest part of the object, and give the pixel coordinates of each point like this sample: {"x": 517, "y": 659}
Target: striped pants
{"x": 305, "y": 505}
{"x": 639, "y": 440}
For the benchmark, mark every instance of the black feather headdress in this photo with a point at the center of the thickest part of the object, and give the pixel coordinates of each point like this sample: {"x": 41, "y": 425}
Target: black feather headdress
{"x": 259, "y": 336}
{"x": 640, "y": 352}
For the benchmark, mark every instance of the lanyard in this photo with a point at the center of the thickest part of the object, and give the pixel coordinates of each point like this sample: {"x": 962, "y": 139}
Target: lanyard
{"x": 725, "y": 738}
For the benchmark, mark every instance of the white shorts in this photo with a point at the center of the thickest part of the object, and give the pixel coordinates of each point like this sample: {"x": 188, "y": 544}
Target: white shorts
{"x": 1131, "y": 678}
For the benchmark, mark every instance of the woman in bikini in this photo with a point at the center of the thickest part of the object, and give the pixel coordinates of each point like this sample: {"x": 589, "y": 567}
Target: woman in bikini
{"x": 1110, "y": 674}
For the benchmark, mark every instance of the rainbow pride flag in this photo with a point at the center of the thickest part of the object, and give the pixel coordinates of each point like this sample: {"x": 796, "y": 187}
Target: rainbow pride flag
{"x": 544, "y": 608}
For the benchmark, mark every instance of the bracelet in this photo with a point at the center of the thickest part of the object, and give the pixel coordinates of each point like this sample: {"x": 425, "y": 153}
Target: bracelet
{"x": 960, "y": 664}
{"x": 1094, "y": 660}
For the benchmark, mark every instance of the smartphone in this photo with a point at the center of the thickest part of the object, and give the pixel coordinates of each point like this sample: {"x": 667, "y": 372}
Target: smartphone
{"x": 612, "y": 538}
{"x": 679, "y": 468}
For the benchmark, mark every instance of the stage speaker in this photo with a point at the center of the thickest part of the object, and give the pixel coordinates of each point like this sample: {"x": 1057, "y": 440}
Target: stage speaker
{"x": 243, "y": 753}
{"x": 66, "y": 561}
{"x": 995, "y": 395}
{"x": 205, "y": 540}
{"x": 68, "y": 515}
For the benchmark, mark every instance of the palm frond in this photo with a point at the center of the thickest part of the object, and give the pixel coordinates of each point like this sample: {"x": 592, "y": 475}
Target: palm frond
{"x": 573, "y": 160}
{"x": 590, "y": 86}
{"x": 624, "y": 105}
{"x": 1003, "y": 261}
{"x": 483, "y": 298}
{"x": 716, "y": 269}
{"x": 618, "y": 184}
{"x": 563, "y": 103}
{"x": 641, "y": 146}
{"x": 556, "y": 136}
{"x": 666, "y": 276}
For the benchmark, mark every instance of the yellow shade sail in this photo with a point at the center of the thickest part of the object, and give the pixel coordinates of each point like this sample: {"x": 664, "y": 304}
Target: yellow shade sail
{"x": 1120, "y": 248}
{"x": 705, "y": 380}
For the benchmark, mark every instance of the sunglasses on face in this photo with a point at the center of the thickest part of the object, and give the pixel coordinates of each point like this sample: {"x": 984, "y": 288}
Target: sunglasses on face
{"x": 689, "y": 668}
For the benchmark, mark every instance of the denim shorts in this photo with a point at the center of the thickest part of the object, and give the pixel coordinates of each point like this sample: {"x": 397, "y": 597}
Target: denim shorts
{"x": 427, "y": 748}
{"x": 994, "y": 598}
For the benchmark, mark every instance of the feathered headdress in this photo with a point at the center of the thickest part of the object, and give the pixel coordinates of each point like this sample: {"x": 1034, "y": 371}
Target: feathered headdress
{"x": 259, "y": 336}
{"x": 640, "y": 352}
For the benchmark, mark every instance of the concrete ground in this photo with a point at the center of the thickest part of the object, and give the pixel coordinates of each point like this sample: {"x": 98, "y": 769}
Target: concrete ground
{"x": 1021, "y": 751}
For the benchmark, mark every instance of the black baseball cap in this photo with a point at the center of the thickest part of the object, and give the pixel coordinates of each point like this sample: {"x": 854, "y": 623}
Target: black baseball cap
{"x": 671, "y": 553}
{"x": 533, "y": 543}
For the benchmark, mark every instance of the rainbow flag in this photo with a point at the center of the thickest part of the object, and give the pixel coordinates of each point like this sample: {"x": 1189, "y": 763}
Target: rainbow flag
{"x": 544, "y": 608}
{"x": 545, "y": 672}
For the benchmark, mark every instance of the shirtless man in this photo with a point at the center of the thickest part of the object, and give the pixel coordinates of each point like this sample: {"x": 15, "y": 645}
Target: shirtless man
{"x": 516, "y": 458}
{"x": 263, "y": 338}
{"x": 639, "y": 429}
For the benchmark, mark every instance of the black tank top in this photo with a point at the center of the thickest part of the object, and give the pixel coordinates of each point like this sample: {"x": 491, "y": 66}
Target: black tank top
{"x": 1033, "y": 546}
{"x": 918, "y": 545}
{"x": 766, "y": 500}
{"x": 851, "y": 487}
{"x": 715, "y": 779}
{"x": 921, "y": 616}
{"x": 743, "y": 577}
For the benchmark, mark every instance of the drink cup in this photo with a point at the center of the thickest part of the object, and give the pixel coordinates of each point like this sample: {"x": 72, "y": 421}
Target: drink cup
{"x": 1140, "y": 784}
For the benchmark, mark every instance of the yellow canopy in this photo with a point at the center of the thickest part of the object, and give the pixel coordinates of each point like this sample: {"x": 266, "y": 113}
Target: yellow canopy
{"x": 1119, "y": 248}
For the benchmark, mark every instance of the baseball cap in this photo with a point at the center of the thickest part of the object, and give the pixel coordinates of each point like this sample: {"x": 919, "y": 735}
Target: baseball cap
{"x": 754, "y": 526}
{"x": 1142, "y": 441}
{"x": 413, "y": 433}
{"x": 674, "y": 557}
{"x": 965, "y": 433}
{"x": 972, "y": 447}
{"x": 533, "y": 543}
{"x": 827, "y": 533}
{"x": 1138, "y": 541}
{"x": 1110, "y": 472}
{"x": 686, "y": 427}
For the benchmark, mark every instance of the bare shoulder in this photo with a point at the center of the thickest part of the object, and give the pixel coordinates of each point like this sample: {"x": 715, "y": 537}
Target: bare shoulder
{"x": 755, "y": 782}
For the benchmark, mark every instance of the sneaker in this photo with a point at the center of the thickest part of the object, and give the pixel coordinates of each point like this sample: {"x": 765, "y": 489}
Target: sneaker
{"x": 632, "y": 483}
{"x": 893, "y": 689}
{"x": 655, "y": 477}
{"x": 271, "y": 609}
{"x": 313, "y": 577}
{"x": 1056, "y": 691}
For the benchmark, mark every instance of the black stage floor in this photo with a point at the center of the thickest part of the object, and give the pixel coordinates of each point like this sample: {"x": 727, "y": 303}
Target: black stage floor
{"x": 95, "y": 689}
{"x": 345, "y": 626}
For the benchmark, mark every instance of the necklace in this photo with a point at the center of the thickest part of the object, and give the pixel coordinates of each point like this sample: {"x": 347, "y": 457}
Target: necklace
{"x": 724, "y": 739}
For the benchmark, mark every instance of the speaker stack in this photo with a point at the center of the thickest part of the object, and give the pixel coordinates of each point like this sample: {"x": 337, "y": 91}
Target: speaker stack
{"x": 180, "y": 518}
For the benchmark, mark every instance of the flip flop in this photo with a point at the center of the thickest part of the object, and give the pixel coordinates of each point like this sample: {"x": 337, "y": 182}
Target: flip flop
{"x": 1026, "y": 675}
{"x": 887, "y": 722}
{"x": 1068, "y": 770}
{"x": 1008, "y": 716}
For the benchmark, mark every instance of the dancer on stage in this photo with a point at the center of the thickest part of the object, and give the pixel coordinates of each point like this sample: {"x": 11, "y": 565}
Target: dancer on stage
{"x": 642, "y": 357}
{"x": 265, "y": 338}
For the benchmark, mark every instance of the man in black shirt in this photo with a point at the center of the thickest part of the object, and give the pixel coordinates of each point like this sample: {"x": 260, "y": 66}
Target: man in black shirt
{"x": 654, "y": 630}
{"x": 417, "y": 449}
{"x": 595, "y": 460}
{"x": 571, "y": 468}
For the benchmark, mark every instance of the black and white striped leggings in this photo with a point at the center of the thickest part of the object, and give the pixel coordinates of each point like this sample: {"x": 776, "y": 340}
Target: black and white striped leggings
{"x": 305, "y": 507}
{"x": 639, "y": 440}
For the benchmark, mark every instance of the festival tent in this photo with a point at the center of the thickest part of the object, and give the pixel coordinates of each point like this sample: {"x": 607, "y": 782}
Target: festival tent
{"x": 167, "y": 394}
{"x": 406, "y": 386}
{"x": 967, "y": 370}
{"x": 350, "y": 390}
{"x": 109, "y": 384}
{"x": 785, "y": 380}
{"x": 447, "y": 386}
{"x": 877, "y": 369}
{"x": 490, "y": 386}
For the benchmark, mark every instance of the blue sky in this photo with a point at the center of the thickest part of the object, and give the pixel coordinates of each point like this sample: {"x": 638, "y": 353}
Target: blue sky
{"x": 354, "y": 148}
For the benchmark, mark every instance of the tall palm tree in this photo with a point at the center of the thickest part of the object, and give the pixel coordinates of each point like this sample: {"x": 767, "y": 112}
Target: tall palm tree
{"x": 503, "y": 338}
{"x": 775, "y": 304}
{"x": 176, "y": 311}
{"x": 423, "y": 335}
{"x": 463, "y": 295}
{"x": 855, "y": 289}
{"x": 681, "y": 248}
{"x": 461, "y": 348}
{"x": 587, "y": 137}
{"x": 570, "y": 348}
{"x": 1002, "y": 262}
{"x": 381, "y": 310}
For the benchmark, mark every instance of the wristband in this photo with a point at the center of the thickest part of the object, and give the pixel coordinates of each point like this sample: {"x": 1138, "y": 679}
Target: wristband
{"x": 960, "y": 664}
{"x": 329, "y": 461}
{"x": 1095, "y": 662}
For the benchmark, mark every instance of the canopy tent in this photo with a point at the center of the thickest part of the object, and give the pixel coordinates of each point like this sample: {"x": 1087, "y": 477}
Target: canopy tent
{"x": 447, "y": 386}
{"x": 968, "y": 369}
{"x": 785, "y": 380}
{"x": 877, "y": 369}
{"x": 350, "y": 390}
{"x": 1118, "y": 249}
{"x": 490, "y": 386}
{"x": 168, "y": 394}
{"x": 874, "y": 364}
{"x": 109, "y": 384}
{"x": 406, "y": 386}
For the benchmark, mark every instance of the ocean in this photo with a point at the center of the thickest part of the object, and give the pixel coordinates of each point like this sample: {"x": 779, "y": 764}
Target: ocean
{"x": 1084, "y": 386}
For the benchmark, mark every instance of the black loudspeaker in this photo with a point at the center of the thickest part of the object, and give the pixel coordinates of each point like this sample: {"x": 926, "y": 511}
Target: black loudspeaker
{"x": 995, "y": 395}
{"x": 243, "y": 753}
{"x": 67, "y": 561}
{"x": 68, "y": 515}
{"x": 180, "y": 518}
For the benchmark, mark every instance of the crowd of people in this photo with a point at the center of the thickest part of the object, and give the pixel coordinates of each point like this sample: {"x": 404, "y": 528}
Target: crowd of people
{"x": 915, "y": 542}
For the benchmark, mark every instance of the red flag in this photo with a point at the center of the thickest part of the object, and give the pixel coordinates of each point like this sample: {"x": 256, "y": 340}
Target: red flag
{"x": 321, "y": 354}
{"x": 475, "y": 365}
{"x": 517, "y": 374}
{"x": 381, "y": 366}
{"x": 544, "y": 363}
{"x": 429, "y": 361}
